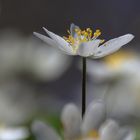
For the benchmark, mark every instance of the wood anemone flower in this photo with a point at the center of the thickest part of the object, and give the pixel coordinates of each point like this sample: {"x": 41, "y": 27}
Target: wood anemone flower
{"x": 91, "y": 127}
{"x": 84, "y": 43}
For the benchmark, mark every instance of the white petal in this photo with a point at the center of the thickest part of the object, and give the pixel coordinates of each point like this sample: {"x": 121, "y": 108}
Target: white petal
{"x": 130, "y": 136}
{"x": 88, "y": 48}
{"x": 94, "y": 115}
{"x": 99, "y": 72}
{"x": 127, "y": 134}
{"x": 109, "y": 131}
{"x": 12, "y": 133}
{"x": 72, "y": 30}
{"x": 62, "y": 44}
{"x": 113, "y": 45}
{"x": 49, "y": 41}
{"x": 43, "y": 131}
{"x": 45, "y": 39}
{"x": 71, "y": 119}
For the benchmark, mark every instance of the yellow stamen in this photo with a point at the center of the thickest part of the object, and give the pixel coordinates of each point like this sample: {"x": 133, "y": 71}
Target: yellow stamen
{"x": 116, "y": 60}
{"x": 102, "y": 41}
{"x": 93, "y": 134}
{"x": 78, "y": 31}
{"x": 82, "y": 36}
{"x": 68, "y": 31}
{"x": 97, "y": 33}
{"x": 89, "y": 31}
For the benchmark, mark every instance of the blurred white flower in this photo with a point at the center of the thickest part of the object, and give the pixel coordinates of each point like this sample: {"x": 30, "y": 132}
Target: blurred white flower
{"x": 22, "y": 58}
{"x": 44, "y": 62}
{"x": 17, "y": 103}
{"x": 90, "y": 128}
{"x": 121, "y": 64}
{"x": 121, "y": 76}
{"x": 85, "y": 43}
{"x": 20, "y": 54}
{"x": 13, "y": 133}
{"x": 11, "y": 44}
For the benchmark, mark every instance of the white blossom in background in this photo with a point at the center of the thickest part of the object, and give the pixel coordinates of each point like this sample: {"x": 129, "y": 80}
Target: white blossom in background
{"x": 19, "y": 54}
{"x": 84, "y": 43}
{"x": 45, "y": 62}
{"x": 121, "y": 64}
{"x": 11, "y": 44}
{"x": 17, "y": 103}
{"x": 13, "y": 133}
{"x": 121, "y": 76}
{"x": 92, "y": 127}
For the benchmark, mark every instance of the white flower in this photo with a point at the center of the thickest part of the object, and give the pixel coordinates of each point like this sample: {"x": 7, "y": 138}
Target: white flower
{"x": 118, "y": 65}
{"x": 84, "y": 43}
{"x": 118, "y": 78}
{"x": 13, "y": 133}
{"x": 90, "y": 128}
{"x": 20, "y": 54}
{"x": 43, "y": 62}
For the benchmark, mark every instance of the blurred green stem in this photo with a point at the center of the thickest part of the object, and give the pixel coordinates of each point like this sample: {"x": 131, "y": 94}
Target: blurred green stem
{"x": 84, "y": 86}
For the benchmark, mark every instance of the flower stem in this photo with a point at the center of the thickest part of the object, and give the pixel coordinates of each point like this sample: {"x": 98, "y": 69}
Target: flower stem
{"x": 84, "y": 86}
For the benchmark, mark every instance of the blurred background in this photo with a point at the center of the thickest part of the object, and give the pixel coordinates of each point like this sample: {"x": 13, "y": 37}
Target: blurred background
{"x": 37, "y": 80}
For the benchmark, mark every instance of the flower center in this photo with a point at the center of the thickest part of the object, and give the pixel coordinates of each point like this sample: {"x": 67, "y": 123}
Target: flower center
{"x": 92, "y": 135}
{"x": 82, "y": 36}
{"x": 116, "y": 60}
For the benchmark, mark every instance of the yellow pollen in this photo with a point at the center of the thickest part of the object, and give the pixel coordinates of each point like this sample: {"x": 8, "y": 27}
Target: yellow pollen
{"x": 78, "y": 31}
{"x": 116, "y": 60}
{"x": 102, "y": 41}
{"x": 68, "y": 31}
{"x": 97, "y": 33}
{"x": 82, "y": 36}
{"x": 89, "y": 31}
{"x": 93, "y": 134}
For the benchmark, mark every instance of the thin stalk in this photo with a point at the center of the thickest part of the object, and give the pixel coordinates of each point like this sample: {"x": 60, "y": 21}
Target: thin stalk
{"x": 84, "y": 86}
